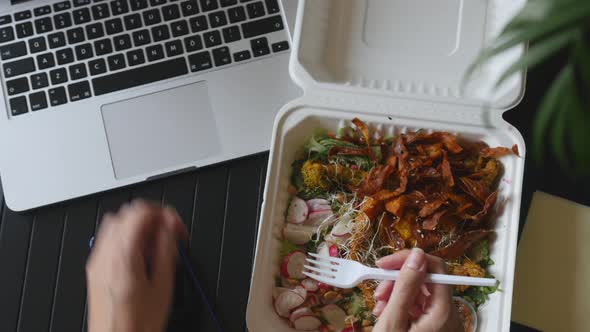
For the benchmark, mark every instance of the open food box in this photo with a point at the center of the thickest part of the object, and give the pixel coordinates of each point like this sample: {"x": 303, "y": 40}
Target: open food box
{"x": 398, "y": 66}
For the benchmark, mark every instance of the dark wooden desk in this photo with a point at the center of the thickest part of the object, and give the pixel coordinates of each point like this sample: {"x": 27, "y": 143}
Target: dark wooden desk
{"x": 43, "y": 252}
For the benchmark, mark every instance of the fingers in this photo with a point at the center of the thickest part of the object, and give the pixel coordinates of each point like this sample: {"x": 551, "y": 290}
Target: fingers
{"x": 164, "y": 257}
{"x": 407, "y": 288}
{"x": 383, "y": 290}
{"x": 441, "y": 301}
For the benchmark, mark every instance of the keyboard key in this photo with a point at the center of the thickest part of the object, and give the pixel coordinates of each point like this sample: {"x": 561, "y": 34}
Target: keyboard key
{"x": 189, "y": 8}
{"x": 6, "y": 34}
{"x": 217, "y": 19}
{"x": 212, "y": 38}
{"x": 151, "y": 17}
{"x": 255, "y": 9}
{"x": 65, "y": 56}
{"x": 103, "y": 46}
{"x": 119, "y": 7}
{"x": 97, "y": 67}
{"x": 272, "y": 6}
{"x": 200, "y": 61}
{"x": 43, "y": 25}
{"x": 138, "y": 4}
{"x": 157, "y": 2}
{"x": 173, "y": 48}
{"x": 18, "y": 105}
{"x": 263, "y": 26}
{"x": 236, "y": 14}
{"x": 199, "y": 23}
{"x": 227, "y": 3}
{"x": 45, "y": 61}
{"x": 75, "y": 35}
{"x": 38, "y": 101}
{"x": 61, "y": 6}
{"x": 179, "y": 28}
{"x": 231, "y": 34}
{"x": 78, "y": 71}
{"x": 135, "y": 57}
{"x": 17, "y": 86}
{"x": 78, "y": 3}
{"x": 132, "y": 21}
{"x": 84, "y": 52}
{"x": 81, "y": 15}
{"x": 122, "y": 42}
{"x": 40, "y": 11}
{"x": 114, "y": 26}
{"x": 171, "y": 12}
{"x": 56, "y": 40}
{"x": 15, "y": 50}
{"x": 141, "y": 37}
{"x": 58, "y": 76}
{"x": 5, "y": 19}
{"x": 139, "y": 76}
{"x": 154, "y": 52}
{"x": 208, "y": 5}
{"x": 37, "y": 45}
{"x": 116, "y": 62}
{"x": 280, "y": 46}
{"x": 39, "y": 81}
{"x": 57, "y": 96}
{"x": 24, "y": 30}
{"x": 24, "y": 15}
{"x": 160, "y": 32}
{"x": 79, "y": 91}
{"x": 221, "y": 56}
{"x": 18, "y": 67}
{"x": 100, "y": 11}
{"x": 193, "y": 43}
{"x": 242, "y": 55}
{"x": 94, "y": 30}
{"x": 62, "y": 20}
{"x": 260, "y": 46}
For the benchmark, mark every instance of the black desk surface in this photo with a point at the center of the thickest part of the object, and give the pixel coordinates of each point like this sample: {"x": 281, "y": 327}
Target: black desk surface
{"x": 43, "y": 252}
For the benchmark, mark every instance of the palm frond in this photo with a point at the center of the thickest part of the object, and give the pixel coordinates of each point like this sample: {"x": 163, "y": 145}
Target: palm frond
{"x": 562, "y": 122}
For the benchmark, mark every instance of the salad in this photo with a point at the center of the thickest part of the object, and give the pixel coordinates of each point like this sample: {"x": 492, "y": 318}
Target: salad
{"x": 360, "y": 196}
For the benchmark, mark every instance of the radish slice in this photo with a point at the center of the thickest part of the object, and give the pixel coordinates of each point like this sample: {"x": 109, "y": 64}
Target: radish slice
{"x": 298, "y": 234}
{"x": 317, "y": 217}
{"x": 342, "y": 229}
{"x": 318, "y": 204}
{"x": 334, "y": 315}
{"x": 323, "y": 249}
{"x": 278, "y": 291}
{"x": 310, "y": 285}
{"x": 300, "y": 312}
{"x": 334, "y": 251}
{"x": 307, "y": 323}
{"x": 297, "y": 212}
{"x": 292, "y": 266}
{"x": 301, "y": 291}
{"x": 286, "y": 302}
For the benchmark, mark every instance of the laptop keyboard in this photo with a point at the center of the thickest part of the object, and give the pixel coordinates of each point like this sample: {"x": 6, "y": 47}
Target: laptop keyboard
{"x": 74, "y": 50}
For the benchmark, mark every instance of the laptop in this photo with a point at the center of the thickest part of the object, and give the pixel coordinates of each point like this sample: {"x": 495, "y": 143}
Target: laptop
{"x": 99, "y": 94}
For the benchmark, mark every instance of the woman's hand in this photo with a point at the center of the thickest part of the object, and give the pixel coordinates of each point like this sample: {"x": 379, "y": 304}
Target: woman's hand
{"x": 407, "y": 304}
{"x": 130, "y": 272}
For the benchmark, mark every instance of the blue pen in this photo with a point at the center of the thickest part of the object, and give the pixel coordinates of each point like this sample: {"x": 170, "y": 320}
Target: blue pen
{"x": 187, "y": 264}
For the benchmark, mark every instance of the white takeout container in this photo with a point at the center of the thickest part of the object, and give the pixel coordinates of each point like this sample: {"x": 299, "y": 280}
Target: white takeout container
{"x": 398, "y": 65}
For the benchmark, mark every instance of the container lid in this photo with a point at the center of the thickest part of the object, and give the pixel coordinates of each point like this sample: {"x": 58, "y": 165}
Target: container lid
{"x": 417, "y": 49}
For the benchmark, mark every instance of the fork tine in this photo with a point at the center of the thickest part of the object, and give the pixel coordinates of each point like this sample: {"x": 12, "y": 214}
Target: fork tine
{"x": 327, "y": 273}
{"x": 322, "y": 264}
{"x": 318, "y": 277}
{"x": 328, "y": 258}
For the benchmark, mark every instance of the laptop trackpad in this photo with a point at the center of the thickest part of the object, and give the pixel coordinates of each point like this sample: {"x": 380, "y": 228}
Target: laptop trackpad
{"x": 162, "y": 130}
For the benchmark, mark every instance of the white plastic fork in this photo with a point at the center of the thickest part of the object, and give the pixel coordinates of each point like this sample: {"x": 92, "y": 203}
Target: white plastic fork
{"x": 344, "y": 273}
